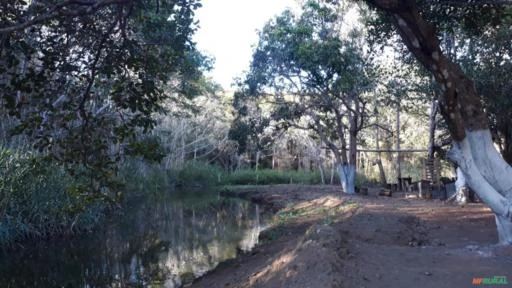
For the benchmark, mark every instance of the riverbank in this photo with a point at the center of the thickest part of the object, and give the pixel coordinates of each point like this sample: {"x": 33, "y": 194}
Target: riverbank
{"x": 320, "y": 238}
{"x": 41, "y": 200}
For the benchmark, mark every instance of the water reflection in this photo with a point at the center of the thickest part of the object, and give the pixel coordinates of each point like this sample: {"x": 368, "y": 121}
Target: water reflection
{"x": 160, "y": 243}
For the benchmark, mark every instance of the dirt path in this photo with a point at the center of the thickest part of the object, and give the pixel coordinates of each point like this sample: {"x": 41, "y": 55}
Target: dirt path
{"x": 322, "y": 239}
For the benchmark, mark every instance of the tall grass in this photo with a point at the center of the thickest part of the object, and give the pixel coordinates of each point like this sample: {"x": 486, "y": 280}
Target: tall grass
{"x": 141, "y": 178}
{"x": 40, "y": 199}
{"x": 199, "y": 174}
{"x": 268, "y": 176}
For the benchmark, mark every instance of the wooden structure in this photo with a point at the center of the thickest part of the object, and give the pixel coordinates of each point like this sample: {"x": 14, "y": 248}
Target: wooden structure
{"x": 432, "y": 175}
{"x": 432, "y": 171}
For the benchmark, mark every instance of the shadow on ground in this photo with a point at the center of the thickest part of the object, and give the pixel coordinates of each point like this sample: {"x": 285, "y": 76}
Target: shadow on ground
{"x": 322, "y": 239}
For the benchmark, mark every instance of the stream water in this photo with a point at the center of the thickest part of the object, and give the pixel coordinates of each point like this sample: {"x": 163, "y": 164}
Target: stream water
{"x": 155, "y": 243}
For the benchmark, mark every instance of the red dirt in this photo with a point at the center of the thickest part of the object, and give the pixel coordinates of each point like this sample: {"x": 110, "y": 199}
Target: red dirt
{"x": 334, "y": 240}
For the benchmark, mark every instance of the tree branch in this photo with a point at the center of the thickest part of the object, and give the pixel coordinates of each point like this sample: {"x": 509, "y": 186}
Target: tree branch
{"x": 85, "y": 8}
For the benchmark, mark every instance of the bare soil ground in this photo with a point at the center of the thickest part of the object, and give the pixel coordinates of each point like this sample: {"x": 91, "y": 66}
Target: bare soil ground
{"x": 320, "y": 238}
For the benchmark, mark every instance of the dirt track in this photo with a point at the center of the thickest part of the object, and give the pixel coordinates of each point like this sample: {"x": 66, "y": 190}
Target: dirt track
{"x": 320, "y": 238}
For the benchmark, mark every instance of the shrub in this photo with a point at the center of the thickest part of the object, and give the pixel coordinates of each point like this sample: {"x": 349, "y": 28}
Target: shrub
{"x": 39, "y": 198}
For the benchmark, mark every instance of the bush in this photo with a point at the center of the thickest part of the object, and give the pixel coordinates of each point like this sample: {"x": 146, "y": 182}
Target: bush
{"x": 39, "y": 199}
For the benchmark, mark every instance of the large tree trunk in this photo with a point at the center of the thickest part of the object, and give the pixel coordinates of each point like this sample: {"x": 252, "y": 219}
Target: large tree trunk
{"x": 348, "y": 171}
{"x": 485, "y": 173}
{"x": 484, "y": 169}
{"x": 505, "y": 133}
{"x": 461, "y": 188}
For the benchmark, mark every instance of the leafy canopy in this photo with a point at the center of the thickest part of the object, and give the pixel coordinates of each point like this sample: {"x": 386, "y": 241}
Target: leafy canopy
{"x": 82, "y": 78}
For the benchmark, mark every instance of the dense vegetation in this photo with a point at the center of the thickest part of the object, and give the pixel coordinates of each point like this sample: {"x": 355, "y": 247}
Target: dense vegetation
{"x": 106, "y": 100}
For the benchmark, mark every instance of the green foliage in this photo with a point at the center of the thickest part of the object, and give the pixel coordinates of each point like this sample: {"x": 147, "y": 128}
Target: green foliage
{"x": 149, "y": 147}
{"x": 473, "y": 18}
{"x": 84, "y": 83}
{"x": 40, "y": 199}
{"x": 487, "y": 61}
{"x": 250, "y": 124}
{"x": 362, "y": 180}
{"x": 198, "y": 174}
{"x": 267, "y": 177}
{"x": 141, "y": 178}
{"x": 291, "y": 214}
{"x": 306, "y": 54}
{"x": 314, "y": 76}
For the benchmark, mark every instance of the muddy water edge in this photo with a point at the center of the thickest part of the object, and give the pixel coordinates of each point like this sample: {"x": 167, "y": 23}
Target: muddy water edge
{"x": 157, "y": 241}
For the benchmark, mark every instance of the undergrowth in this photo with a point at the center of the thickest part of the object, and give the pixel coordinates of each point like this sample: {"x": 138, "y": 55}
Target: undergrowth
{"x": 40, "y": 199}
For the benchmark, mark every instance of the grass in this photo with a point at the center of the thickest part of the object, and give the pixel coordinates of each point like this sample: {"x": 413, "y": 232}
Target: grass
{"x": 289, "y": 219}
{"x": 140, "y": 178}
{"x": 287, "y": 215}
{"x": 199, "y": 174}
{"x": 39, "y": 199}
{"x": 143, "y": 178}
{"x": 268, "y": 177}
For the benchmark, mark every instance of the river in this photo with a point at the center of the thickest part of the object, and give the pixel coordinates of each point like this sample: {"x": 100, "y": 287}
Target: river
{"x": 157, "y": 242}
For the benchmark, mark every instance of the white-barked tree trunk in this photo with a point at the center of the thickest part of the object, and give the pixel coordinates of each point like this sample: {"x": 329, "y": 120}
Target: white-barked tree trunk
{"x": 486, "y": 172}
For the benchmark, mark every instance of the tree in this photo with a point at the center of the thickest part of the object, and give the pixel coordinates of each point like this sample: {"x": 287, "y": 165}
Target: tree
{"x": 472, "y": 149}
{"x": 315, "y": 80}
{"x": 197, "y": 130}
{"x": 488, "y": 62}
{"x": 250, "y": 128}
{"x": 83, "y": 78}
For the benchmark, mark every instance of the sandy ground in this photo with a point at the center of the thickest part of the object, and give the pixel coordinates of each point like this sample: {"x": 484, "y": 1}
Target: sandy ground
{"x": 320, "y": 238}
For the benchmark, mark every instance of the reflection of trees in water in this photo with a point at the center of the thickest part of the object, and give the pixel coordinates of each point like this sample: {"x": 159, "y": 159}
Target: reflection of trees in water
{"x": 207, "y": 237}
{"x": 154, "y": 242}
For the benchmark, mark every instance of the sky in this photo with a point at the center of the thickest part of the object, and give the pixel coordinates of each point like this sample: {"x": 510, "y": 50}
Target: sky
{"x": 228, "y": 32}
